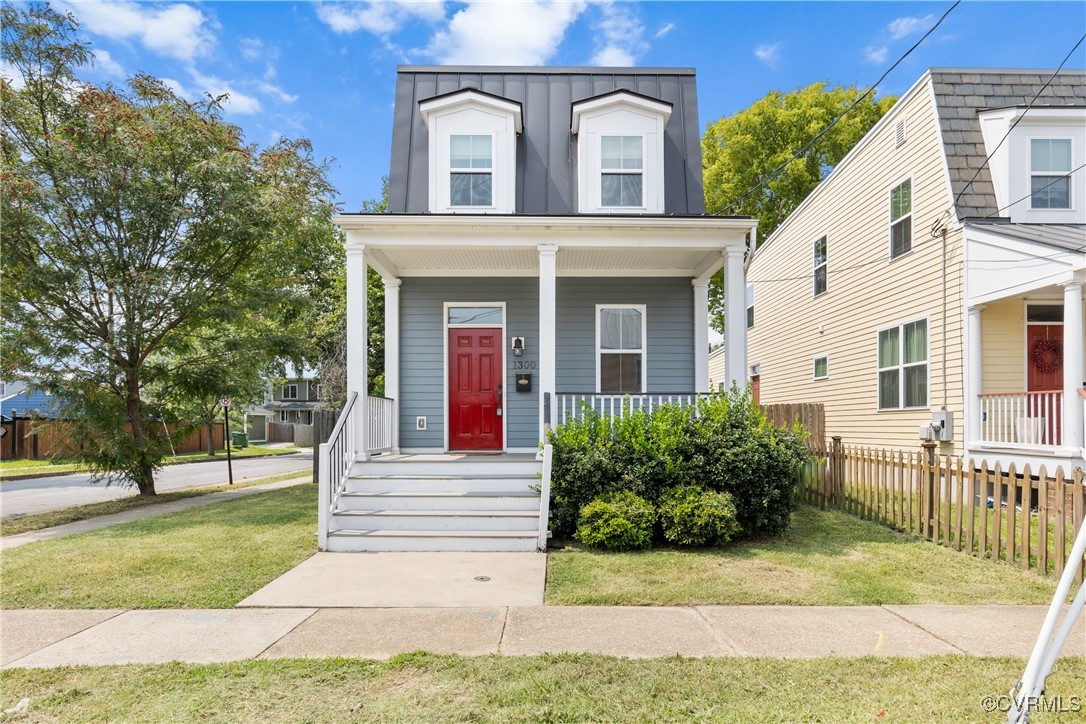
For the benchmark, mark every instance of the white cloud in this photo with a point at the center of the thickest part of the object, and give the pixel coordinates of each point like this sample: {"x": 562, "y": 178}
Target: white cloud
{"x": 619, "y": 36}
{"x": 379, "y": 18}
{"x": 875, "y": 54}
{"x": 13, "y": 75}
{"x": 240, "y": 103}
{"x": 276, "y": 92}
{"x": 902, "y": 27}
{"x": 769, "y": 53}
{"x": 177, "y": 31}
{"x": 105, "y": 64}
{"x": 525, "y": 33}
{"x": 664, "y": 30}
{"x": 252, "y": 48}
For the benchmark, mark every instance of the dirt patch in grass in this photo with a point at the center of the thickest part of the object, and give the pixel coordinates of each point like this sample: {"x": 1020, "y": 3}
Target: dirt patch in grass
{"x": 826, "y": 558}
{"x": 423, "y": 687}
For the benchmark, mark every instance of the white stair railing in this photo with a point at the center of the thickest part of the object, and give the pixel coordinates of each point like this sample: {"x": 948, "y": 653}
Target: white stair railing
{"x": 545, "y": 499}
{"x": 334, "y": 462}
{"x": 379, "y": 415}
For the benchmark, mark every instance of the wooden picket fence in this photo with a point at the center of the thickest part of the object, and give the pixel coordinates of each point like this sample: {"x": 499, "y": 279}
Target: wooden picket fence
{"x": 812, "y": 415}
{"x": 1026, "y": 518}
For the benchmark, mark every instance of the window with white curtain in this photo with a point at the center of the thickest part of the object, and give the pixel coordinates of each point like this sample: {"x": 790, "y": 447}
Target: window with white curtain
{"x": 903, "y": 366}
{"x": 620, "y": 348}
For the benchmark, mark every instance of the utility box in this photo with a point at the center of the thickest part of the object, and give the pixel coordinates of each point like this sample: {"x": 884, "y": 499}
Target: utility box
{"x": 942, "y": 426}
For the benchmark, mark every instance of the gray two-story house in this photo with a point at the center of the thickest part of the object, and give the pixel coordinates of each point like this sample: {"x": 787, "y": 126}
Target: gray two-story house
{"x": 546, "y": 249}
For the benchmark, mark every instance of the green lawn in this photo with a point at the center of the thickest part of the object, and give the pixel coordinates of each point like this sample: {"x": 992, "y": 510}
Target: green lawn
{"x": 10, "y": 468}
{"x": 24, "y": 523}
{"x": 827, "y": 558}
{"x": 210, "y": 557}
{"x": 565, "y": 688}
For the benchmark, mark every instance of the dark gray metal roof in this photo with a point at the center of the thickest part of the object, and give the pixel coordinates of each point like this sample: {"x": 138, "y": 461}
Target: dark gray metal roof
{"x": 546, "y": 157}
{"x": 1069, "y": 237}
{"x": 960, "y": 93}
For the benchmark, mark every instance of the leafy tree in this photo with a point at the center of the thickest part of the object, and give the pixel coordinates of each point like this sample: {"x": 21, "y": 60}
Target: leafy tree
{"x": 135, "y": 224}
{"x": 741, "y": 152}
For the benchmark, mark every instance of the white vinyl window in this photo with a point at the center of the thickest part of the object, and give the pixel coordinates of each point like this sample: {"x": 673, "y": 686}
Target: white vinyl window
{"x": 282, "y": 416}
{"x": 620, "y": 348}
{"x": 1050, "y": 169}
{"x": 903, "y": 366}
{"x": 471, "y": 170}
{"x": 290, "y": 392}
{"x": 901, "y": 218}
{"x": 820, "y": 266}
{"x": 622, "y": 165}
{"x": 750, "y": 306}
{"x": 320, "y": 391}
{"x": 821, "y": 367}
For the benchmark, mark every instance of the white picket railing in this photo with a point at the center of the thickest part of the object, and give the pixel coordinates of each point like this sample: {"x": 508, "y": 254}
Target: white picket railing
{"x": 336, "y": 457}
{"x": 572, "y": 405}
{"x": 379, "y": 417}
{"x": 1022, "y": 418}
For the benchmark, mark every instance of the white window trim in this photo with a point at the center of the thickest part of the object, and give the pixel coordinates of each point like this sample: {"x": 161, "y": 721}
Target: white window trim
{"x": 600, "y": 171}
{"x": 450, "y": 170}
{"x": 814, "y": 361}
{"x": 892, "y": 221}
{"x": 445, "y": 326}
{"x": 824, "y": 265}
{"x": 926, "y": 319}
{"x": 1070, "y": 175}
{"x": 643, "y": 351}
{"x": 320, "y": 391}
{"x": 282, "y": 416}
{"x": 291, "y": 396}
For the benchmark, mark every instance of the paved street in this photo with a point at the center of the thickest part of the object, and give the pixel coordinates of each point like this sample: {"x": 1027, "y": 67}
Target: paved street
{"x": 25, "y": 497}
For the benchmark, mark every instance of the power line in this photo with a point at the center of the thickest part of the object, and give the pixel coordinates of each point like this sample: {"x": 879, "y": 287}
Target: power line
{"x": 773, "y": 174}
{"x": 1055, "y": 180}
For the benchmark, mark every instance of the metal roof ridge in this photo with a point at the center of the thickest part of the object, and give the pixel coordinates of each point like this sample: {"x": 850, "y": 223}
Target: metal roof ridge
{"x": 545, "y": 69}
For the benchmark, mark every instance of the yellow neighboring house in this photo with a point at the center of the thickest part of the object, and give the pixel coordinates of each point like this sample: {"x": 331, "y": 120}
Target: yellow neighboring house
{"x": 932, "y": 285}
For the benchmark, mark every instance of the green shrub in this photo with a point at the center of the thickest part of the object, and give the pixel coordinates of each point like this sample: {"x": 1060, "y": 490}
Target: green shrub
{"x": 617, "y": 521}
{"x": 693, "y": 516}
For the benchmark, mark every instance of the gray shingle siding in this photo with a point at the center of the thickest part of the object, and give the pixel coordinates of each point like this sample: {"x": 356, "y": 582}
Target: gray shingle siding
{"x": 960, "y": 94}
{"x": 546, "y": 159}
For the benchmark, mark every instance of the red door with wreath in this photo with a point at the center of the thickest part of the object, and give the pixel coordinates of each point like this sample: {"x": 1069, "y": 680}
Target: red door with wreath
{"x": 1045, "y": 374}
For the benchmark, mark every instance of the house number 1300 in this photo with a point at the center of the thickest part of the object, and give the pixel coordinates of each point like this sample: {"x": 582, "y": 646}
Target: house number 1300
{"x": 524, "y": 365}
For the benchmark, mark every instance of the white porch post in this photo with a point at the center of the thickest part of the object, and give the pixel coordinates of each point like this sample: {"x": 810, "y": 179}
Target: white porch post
{"x": 701, "y": 335}
{"x": 392, "y": 355}
{"x": 357, "y": 340}
{"x": 975, "y": 376}
{"x": 548, "y": 258}
{"x": 1072, "y": 364}
{"x": 735, "y": 318}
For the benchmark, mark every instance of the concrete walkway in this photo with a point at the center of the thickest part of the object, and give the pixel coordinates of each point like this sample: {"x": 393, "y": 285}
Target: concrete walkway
{"x": 44, "y": 638}
{"x": 149, "y": 511}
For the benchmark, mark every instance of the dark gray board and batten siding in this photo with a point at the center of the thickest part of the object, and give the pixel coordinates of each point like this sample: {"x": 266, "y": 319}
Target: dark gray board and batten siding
{"x": 546, "y": 150}
{"x": 669, "y": 355}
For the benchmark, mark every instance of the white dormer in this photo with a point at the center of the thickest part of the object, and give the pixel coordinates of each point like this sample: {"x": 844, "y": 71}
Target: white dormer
{"x": 620, "y": 153}
{"x": 473, "y": 152}
{"x": 1037, "y": 171}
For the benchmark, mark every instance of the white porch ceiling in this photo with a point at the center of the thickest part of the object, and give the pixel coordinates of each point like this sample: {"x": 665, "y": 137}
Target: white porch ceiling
{"x": 461, "y": 261}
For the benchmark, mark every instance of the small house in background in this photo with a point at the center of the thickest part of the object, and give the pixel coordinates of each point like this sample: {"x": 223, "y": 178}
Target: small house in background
{"x": 931, "y": 288}
{"x": 290, "y": 402}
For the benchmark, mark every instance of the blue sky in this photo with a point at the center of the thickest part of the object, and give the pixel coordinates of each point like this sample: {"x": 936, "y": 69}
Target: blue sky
{"x": 326, "y": 70}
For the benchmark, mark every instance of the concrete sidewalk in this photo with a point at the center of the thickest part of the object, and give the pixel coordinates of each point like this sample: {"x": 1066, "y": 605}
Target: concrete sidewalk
{"x": 149, "y": 511}
{"x": 45, "y": 638}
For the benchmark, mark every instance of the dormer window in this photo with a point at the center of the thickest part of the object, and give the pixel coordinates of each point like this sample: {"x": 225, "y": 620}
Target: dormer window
{"x": 472, "y": 151}
{"x": 620, "y": 153}
{"x": 622, "y": 161}
{"x": 471, "y": 170}
{"x": 1050, "y": 169}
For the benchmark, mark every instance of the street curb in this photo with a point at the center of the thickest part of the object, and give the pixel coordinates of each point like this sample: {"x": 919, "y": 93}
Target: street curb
{"x": 33, "y": 476}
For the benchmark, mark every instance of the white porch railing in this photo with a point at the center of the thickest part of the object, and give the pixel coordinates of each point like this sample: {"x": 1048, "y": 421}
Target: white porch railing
{"x": 335, "y": 459}
{"x": 379, "y": 417}
{"x": 1022, "y": 418}
{"x": 572, "y": 405}
{"x": 545, "y": 499}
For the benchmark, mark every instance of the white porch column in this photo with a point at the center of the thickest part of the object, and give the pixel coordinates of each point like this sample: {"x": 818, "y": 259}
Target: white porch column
{"x": 974, "y": 376}
{"x": 548, "y": 258}
{"x": 735, "y": 318}
{"x": 392, "y": 355}
{"x": 701, "y": 335}
{"x": 357, "y": 340}
{"x": 1072, "y": 364}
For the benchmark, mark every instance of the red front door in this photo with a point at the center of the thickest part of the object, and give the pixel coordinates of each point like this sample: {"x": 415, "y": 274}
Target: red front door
{"x": 1044, "y": 374}
{"x": 475, "y": 389}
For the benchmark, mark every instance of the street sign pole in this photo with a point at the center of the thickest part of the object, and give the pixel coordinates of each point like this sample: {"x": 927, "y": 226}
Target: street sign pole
{"x": 225, "y": 402}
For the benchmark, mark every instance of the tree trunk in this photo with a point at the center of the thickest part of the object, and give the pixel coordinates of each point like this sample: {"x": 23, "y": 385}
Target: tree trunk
{"x": 210, "y": 439}
{"x": 142, "y": 471}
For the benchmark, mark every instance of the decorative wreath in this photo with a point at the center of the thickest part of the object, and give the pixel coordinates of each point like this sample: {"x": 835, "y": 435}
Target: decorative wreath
{"x": 1047, "y": 355}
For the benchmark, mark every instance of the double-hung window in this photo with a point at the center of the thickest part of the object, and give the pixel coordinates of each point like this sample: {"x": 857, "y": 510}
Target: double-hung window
{"x": 903, "y": 366}
{"x": 750, "y": 306}
{"x": 821, "y": 367}
{"x": 471, "y": 170}
{"x": 622, "y": 167}
{"x": 620, "y": 331}
{"x": 901, "y": 218}
{"x": 1050, "y": 173}
{"x": 820, "y": 266}
{"x": 282, "y": 416}
{"x": 290, "y": 392}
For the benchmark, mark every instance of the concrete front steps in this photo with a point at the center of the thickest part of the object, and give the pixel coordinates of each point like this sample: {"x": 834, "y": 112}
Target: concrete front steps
{"x": 461, "y": 504}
